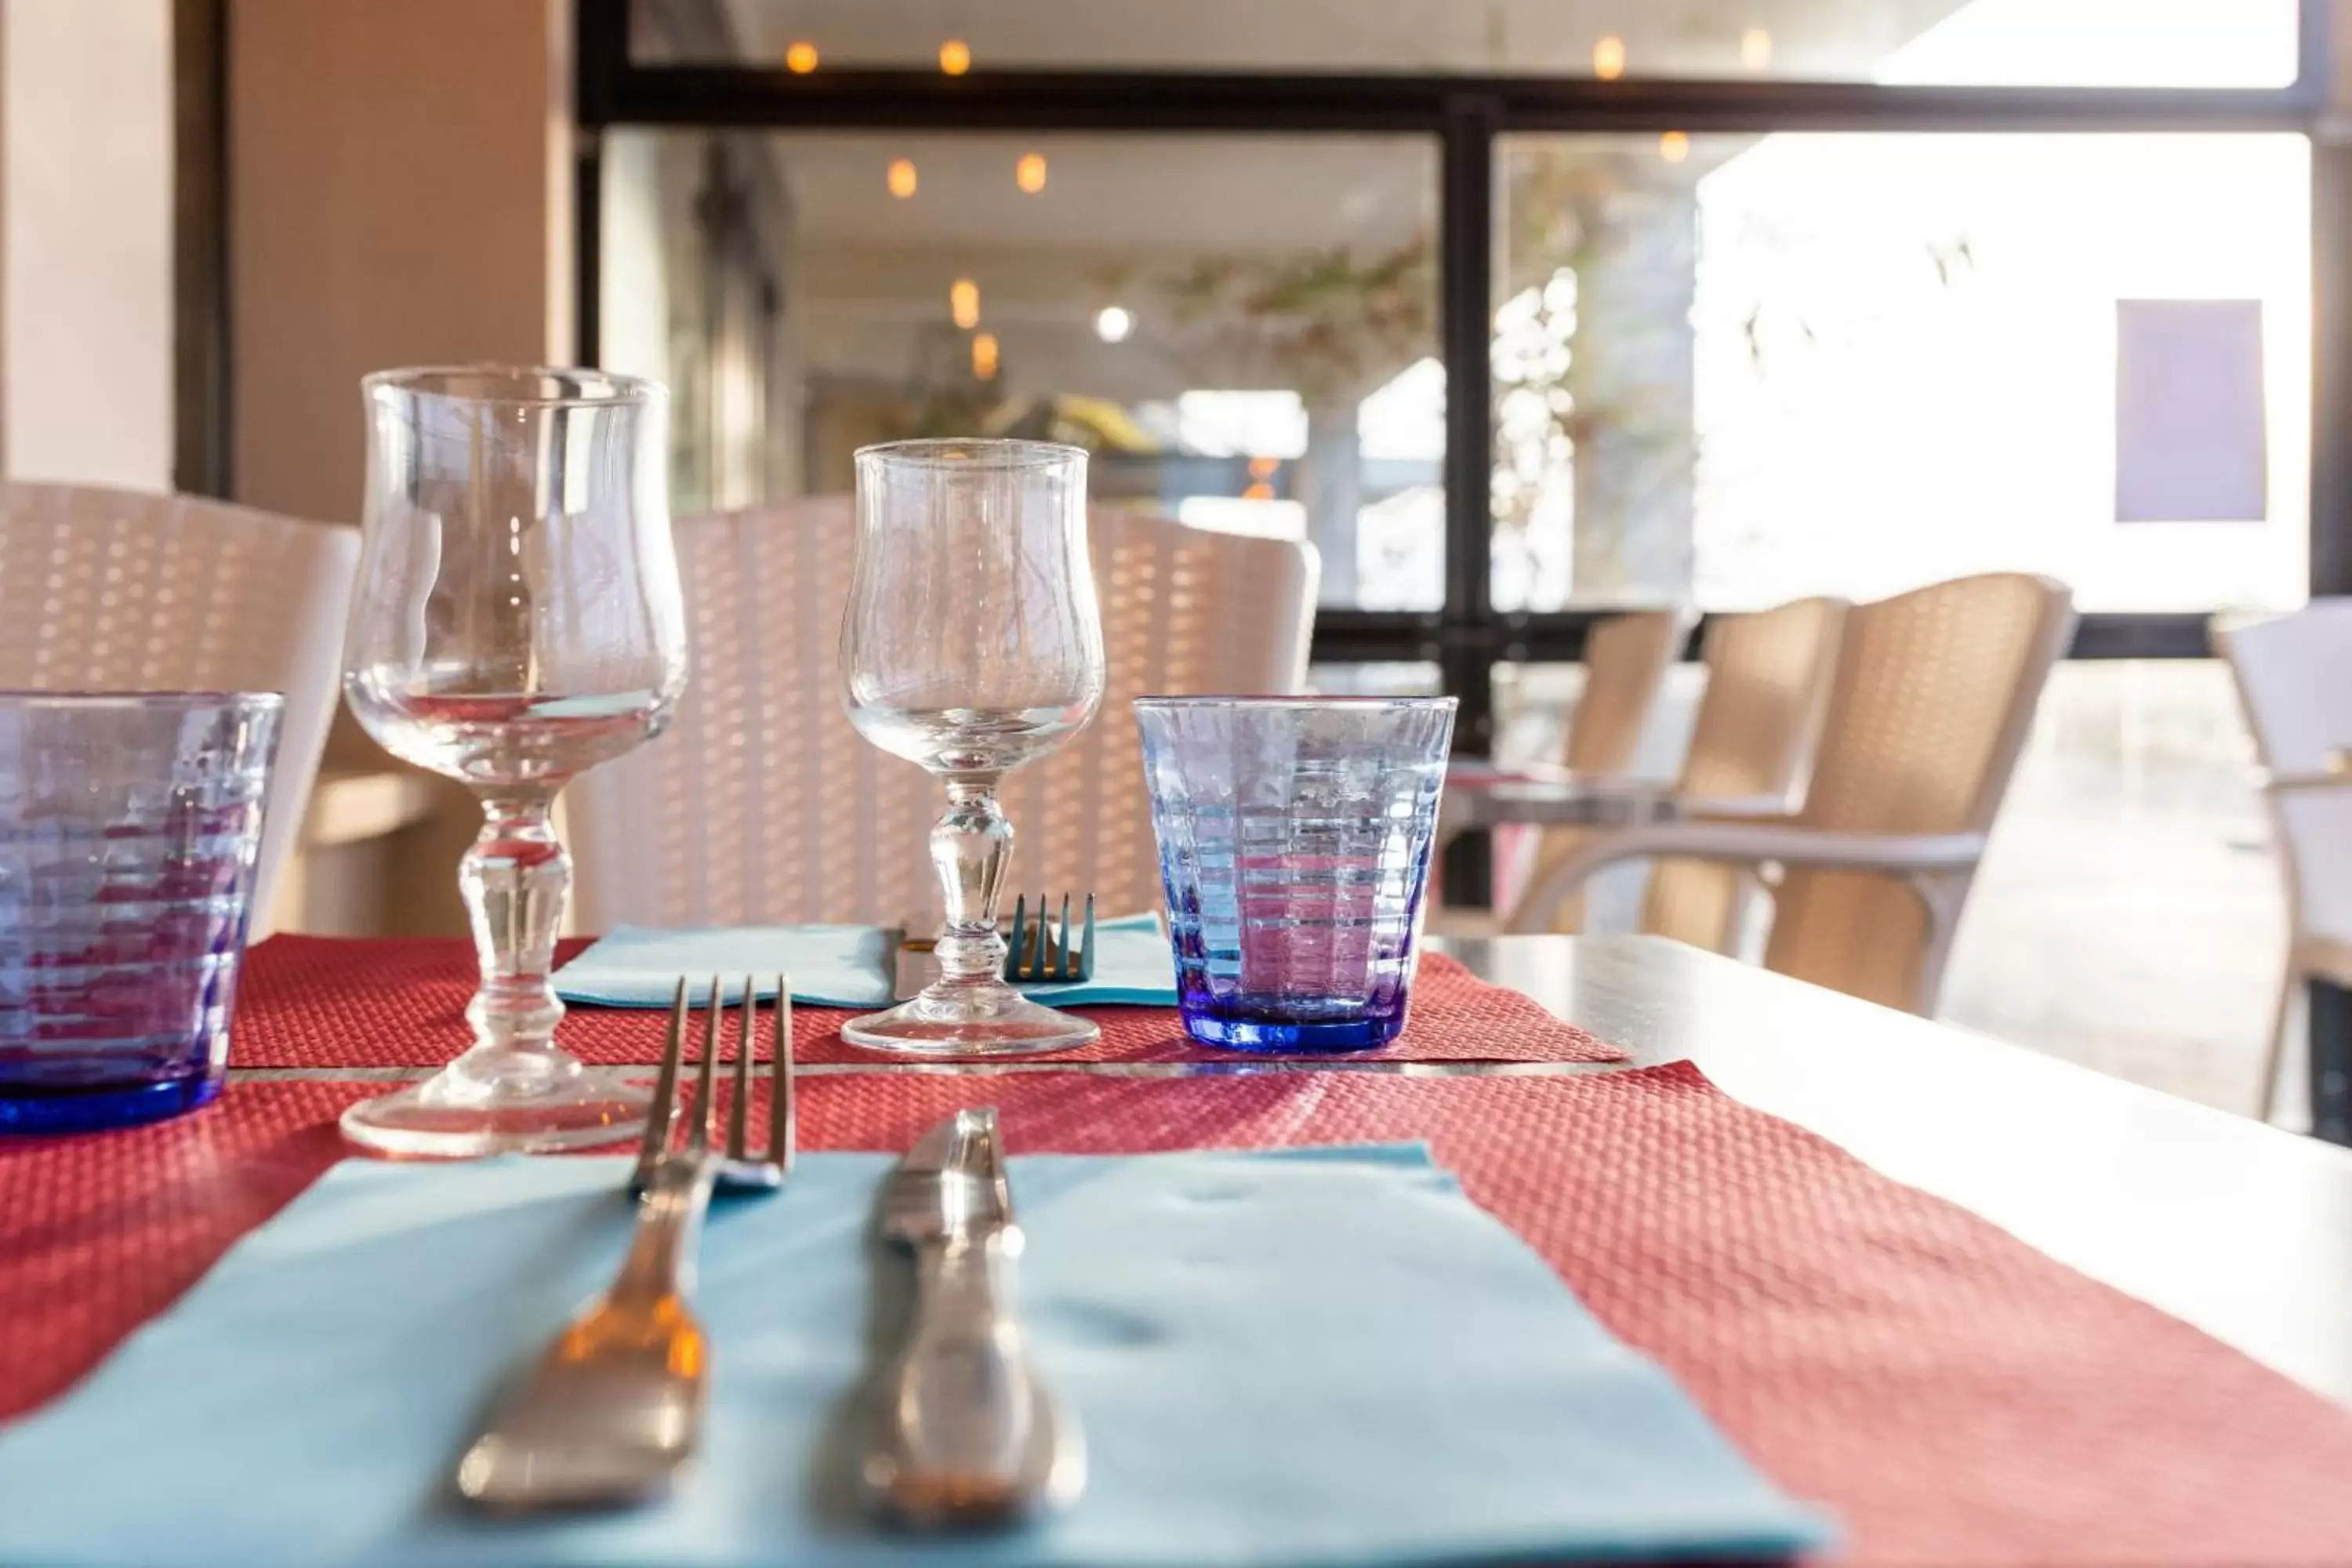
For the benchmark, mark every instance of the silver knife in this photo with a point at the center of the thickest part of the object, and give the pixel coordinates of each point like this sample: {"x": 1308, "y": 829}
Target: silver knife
{"x": 965, "y": 1432}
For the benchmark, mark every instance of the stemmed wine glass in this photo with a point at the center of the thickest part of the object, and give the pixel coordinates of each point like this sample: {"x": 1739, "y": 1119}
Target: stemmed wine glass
{"x": 516, "y": 622}
{"x": 972, "y": 644}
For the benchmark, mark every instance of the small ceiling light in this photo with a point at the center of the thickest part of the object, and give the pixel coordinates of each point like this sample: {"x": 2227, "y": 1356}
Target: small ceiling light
{"x": 955, "y": 57}
{"x": 1673, "y": 146}
{"x": 1609, "y": 57}
{"x": 801, "y": 58}
{"x": 1030, "y": 173}
{"x": 983, "y": 356}
{"x": 1112, "y": 323}
{"x": 963, "y": 303}
{"x": 901, "y": 177}
{"x": 1756, "y": 48}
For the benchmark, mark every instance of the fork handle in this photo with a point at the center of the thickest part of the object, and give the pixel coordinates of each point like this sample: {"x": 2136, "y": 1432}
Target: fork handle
{"x": 959, "y": 1409}
{"x": 660, "y": 1263}
{"x": 615, "y": 1403}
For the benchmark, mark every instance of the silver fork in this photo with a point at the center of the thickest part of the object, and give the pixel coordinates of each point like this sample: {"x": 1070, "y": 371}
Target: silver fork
{"x": 614, "y": 1405}
{"x": 1039, "y": 952}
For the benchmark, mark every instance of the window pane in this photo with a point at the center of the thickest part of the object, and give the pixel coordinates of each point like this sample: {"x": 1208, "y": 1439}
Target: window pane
{"x": 2129, "y": 915}
{"x": 1241, "y": 329}
{"x": 2146, "y": 43}
{"x": 1375, "y": 679}
{"x": 1739, "y": 370}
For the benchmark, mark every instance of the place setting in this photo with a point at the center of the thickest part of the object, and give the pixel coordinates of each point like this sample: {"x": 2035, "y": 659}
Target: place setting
{"x": 741, "y": 1344}
{"x": 1247, "y": 1227}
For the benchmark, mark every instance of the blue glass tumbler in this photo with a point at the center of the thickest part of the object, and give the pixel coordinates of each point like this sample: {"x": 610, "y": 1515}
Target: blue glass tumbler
{"x": 1294, "y": 838}
{"x": 129, "y": 827}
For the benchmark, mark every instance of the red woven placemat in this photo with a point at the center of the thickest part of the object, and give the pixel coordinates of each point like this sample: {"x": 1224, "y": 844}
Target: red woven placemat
{"x": 329, "y": 1001}
{"x": 101, "y": 1231}
{"x": 1955, "y": 1396}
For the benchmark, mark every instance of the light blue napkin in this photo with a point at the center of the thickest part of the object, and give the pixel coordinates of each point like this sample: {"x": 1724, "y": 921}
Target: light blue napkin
{"x": 1334, "y": 1361}
{"x": 836, "y": 965}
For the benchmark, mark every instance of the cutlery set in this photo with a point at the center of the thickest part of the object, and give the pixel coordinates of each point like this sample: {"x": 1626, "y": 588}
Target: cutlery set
{"x": 964, "y": 1433}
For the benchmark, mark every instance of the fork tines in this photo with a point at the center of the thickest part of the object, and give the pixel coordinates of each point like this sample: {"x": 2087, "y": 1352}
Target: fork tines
{"x": 1039, "y": 952}
{"x": 738, "y": 1165}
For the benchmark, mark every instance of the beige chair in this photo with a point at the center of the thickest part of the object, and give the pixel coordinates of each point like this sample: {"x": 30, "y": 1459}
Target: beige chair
{"x": 1768, "y": 676}
{"x": 762, "y": 804}
{"x": 2291, "y": 672}
{"x": 1934, "y": 694}
{"x": 1625, "y": 662}
{"x": 117, "y": 590}
{"x": 1768, "y": 679}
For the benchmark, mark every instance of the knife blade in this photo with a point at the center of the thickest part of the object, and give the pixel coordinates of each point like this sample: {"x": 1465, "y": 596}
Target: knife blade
{"x": 966, "y": 1433}
{"x": 951, "y": 1185}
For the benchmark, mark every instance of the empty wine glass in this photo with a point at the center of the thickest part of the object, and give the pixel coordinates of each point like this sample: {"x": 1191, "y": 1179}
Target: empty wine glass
{"x": 972, "y": 644}
{"x": 516, "y": 622}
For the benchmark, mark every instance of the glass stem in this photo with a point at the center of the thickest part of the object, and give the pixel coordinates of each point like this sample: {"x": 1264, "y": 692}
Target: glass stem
{"x": 515, "y": 877}
{"x": 970, "y": 847}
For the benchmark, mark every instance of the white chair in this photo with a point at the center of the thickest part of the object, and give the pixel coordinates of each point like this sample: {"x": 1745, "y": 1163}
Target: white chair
{"x": 2291, "y": 675}
{"x": 1932, "y": 697}
{"x": 118, "y": 590}
{"x": 762, "y": 804}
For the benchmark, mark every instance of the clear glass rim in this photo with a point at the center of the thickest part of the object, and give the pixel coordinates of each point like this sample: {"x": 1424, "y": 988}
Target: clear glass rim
{"x": 504, "y": 385}
{"x": 1429, "y": 704}
{"x": 27, "y": 698}
{"x": 964, "y": 454}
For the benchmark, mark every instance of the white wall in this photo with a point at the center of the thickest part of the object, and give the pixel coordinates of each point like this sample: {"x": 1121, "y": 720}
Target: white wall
{"x": 86, "y": 219}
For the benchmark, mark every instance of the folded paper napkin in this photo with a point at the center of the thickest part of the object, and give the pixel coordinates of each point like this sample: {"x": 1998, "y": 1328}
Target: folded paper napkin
{"x": 836, "y": 965}
{"x": 1323, "y": 1357}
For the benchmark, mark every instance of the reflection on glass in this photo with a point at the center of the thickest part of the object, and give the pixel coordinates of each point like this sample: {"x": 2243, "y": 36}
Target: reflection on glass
{"x": 1803, "y": 363}
{"x": 2131, "y": 43}
{"x": 1241, "y": 332}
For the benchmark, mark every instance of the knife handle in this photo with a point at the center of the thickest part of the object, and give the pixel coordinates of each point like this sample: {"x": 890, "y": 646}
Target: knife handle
{"x": 966, "y": 1436}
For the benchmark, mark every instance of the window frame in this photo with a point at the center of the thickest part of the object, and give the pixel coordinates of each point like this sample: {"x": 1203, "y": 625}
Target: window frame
{"x": 1465, "y": 115}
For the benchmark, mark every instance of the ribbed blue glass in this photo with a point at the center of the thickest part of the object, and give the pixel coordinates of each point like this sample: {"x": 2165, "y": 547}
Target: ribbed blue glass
{"x": 1294, "y": 841}
{"x": 130, "y": 826}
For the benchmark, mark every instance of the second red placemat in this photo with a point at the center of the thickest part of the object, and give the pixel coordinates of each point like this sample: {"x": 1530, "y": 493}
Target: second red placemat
{"x": 1953, "y": 1395}
{"x": 331, "y": 1002}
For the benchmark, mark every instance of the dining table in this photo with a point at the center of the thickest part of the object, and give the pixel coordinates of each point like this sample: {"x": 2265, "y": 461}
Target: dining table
{"x": 2236, "y": 1229}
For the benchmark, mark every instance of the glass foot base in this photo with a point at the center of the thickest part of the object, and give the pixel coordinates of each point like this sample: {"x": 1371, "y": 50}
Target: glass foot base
{"x": 1316, "y": 1036}
{"x": 950, "y": 1023}
{"x": 456, "y": 1116}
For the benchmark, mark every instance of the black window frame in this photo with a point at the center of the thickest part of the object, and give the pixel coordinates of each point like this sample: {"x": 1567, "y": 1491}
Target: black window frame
{"x": 1464, "y": 116}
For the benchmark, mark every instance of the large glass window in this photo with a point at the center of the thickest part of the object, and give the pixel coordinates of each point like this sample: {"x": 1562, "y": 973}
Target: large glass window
{"x": 1727, "y": 368}
{"x": 1241, "y": 329}
{"x": 2171, "y": 43}
{"x": 1734, "y": 371}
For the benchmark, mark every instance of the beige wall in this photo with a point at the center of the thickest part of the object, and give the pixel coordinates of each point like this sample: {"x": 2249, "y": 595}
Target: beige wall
{"x": 400, "y": 191}
{"x": 400, "y": 188}
{"x": 86, "y": 207}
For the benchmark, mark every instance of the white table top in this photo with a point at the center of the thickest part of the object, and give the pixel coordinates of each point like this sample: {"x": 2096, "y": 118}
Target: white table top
{"x": 2240, "y": 1228}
